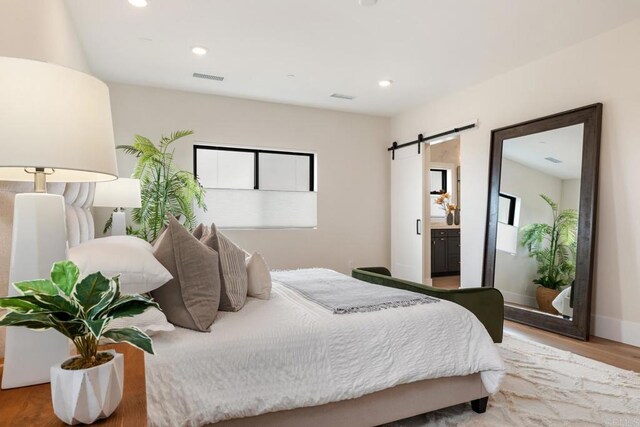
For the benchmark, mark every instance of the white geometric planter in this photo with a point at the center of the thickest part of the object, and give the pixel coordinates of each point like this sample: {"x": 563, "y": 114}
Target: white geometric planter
{"x": 86, "y": 395}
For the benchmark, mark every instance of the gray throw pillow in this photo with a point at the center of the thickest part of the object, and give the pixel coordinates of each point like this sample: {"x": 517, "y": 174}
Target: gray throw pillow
{"x": 233, "y": 272}
{"x": 198, "y": 232}
{"x": 201, "y": 231}
{"x": 192, "y": 297}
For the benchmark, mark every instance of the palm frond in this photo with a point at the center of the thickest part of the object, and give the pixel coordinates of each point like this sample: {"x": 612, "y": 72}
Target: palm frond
{"x": 107, "y": 225}
{"x": 129, "y": 149}
{"x": 166, "y": 141}
{"x": 145, "y": 145}
{"x": 554, "y": 205}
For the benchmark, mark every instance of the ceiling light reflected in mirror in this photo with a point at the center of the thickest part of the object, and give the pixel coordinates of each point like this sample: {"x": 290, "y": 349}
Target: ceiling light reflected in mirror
{"x": 139, "y": 3}
{"x": 199, "y": 50}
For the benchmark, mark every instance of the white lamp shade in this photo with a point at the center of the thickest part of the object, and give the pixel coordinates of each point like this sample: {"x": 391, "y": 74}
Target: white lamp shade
{"x": 121, "y": 193}
{"x": 55, "y": 118}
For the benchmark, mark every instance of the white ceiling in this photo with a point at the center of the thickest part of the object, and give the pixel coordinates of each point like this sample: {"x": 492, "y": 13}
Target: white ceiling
{"x": 427, "y": 47}
{"x": 564, "y": 144}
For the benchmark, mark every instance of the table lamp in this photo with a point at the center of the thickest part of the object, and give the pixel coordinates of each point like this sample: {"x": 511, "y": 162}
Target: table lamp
{"x": 122, "y": 193}
{"x": 55, "y": 125}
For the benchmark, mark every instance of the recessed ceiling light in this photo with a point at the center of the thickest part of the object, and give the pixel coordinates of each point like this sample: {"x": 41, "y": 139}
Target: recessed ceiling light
{"x": 199, "y": 50}
{"x": 291, "y": 75}
{"x": 385, "y": 83}
{"x": 139, "y": 3}
{"x": 367, "y": 3}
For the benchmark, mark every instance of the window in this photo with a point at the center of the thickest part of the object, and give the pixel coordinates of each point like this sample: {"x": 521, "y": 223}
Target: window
{"x": 438, "y": 181}
{"x": 256, "y": 188}
{"x": 508, "y": 219}
{"x": 507, "y": 209}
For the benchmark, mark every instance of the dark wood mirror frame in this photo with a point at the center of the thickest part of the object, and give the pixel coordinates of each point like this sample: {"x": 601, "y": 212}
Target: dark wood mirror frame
{"x": 591, "y": 117}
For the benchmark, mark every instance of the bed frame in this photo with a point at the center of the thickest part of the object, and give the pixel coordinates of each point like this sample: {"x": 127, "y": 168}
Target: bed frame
{"x": 392, "y": 404}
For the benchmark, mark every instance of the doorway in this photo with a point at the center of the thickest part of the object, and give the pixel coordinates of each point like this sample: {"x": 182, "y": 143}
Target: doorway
{"x": 442, "y": 202}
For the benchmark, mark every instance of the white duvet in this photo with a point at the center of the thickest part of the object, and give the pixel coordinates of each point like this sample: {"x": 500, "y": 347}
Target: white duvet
{"x": 288, "y": 352}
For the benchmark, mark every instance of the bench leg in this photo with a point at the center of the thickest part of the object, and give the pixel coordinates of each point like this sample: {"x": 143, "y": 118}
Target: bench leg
{"x": 480, "y": 405}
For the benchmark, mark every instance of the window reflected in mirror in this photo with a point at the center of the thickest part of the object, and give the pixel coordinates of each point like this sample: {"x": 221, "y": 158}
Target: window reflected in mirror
{"x": 439, "y": 182}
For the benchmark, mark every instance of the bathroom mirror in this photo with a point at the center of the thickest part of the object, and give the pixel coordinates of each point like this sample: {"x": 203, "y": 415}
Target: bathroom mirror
{"x": 541, "y": 219}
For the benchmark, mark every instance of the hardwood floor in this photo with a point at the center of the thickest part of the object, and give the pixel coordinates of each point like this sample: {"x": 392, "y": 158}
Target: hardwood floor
{"x": 446, "y": 282}
{"x": 606, "y": 351}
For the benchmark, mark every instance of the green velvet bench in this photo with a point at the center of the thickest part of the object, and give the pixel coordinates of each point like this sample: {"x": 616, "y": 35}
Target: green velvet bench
{"x": 486, "y": 303}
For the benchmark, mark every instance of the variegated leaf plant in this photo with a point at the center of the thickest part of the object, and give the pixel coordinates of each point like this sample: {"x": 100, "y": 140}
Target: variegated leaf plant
{"x": 79, "y": 309}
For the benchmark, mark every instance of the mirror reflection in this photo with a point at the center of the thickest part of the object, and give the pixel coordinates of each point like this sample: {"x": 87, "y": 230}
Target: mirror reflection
{"x": 537, "y": 230}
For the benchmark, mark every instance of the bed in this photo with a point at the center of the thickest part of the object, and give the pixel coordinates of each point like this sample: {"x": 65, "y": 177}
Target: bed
{"x": 288, "y": 361}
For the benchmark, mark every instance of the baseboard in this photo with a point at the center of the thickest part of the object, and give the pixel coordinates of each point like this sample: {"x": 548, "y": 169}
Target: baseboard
{"x": 517, "y": 298}
{"x": 616, "y": 329}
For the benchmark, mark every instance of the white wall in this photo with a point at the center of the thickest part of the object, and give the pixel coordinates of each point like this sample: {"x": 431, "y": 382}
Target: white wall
{"x": 570, "y": 194}
{"x": 40, "y": 30}
{"x": 603, "y": 69}
{"x": 353, "y": 171}
{"x": 446, "y": 152}
{"x": 515, "y": 273}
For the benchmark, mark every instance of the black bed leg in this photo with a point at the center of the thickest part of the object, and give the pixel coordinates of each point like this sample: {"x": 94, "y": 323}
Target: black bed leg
{"x": 480, "y": 405}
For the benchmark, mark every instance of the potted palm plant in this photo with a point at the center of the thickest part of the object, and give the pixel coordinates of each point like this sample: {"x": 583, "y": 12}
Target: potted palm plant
{"x": 88, "y": 386}
{"x": 554, "y": 248}
{"x": 164, "y": 187}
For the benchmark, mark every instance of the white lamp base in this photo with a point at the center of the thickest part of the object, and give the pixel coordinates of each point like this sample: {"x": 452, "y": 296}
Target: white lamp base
{"x": 118, "y": 224}
{"x": 39, "y": 240}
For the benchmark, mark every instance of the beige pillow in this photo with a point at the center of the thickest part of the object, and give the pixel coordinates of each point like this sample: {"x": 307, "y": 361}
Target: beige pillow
{"x": 192, "y": 297}
{"x": 233, "y": 272}
{"x": 201, "y": 231}
{"x": 198, "y": 231}
{"x": 259, "y": 278}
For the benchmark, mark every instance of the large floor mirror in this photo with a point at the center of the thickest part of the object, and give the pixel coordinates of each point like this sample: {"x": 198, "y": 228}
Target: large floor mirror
{"x": 539, "y": 249}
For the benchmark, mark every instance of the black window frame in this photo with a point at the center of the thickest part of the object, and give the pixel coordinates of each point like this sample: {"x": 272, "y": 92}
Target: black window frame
{"x": 444, "y": 181}
{"x": 256, "y": 160}
{"x": 512, "y": 207}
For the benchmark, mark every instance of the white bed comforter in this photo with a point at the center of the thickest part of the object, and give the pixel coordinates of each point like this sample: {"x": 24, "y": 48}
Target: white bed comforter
{"x": 288, "y": 352}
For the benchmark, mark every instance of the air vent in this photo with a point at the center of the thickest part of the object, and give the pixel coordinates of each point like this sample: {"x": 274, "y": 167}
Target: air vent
{"x": 553, "y": 160}
{"x": 341, "y": 96}
{"x": 208, "y": 77}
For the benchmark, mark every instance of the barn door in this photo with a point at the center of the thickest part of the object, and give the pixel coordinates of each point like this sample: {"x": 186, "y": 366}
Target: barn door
{"x": 407, "y": 224}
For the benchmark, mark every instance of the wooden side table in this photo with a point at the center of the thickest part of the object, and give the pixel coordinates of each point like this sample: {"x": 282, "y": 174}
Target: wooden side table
{"x": 31, "y": 406}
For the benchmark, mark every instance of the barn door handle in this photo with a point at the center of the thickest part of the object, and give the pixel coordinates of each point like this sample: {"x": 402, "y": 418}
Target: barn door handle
{"x": 418, "y": 228}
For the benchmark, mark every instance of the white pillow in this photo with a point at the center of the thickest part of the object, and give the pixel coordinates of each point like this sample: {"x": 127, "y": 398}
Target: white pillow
{"x": 259, "y": 277}
{"x": 122, "y": 240}
{"x": 130, "y": 257}
{"x": 150, "y": 322}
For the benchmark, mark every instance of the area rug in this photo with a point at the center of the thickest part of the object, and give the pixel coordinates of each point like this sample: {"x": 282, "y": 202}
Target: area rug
{"x": 545, "y": 386}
